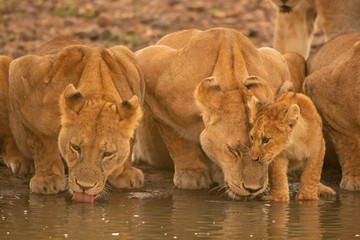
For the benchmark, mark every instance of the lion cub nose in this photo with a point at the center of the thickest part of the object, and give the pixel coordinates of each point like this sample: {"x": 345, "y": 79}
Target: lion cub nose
{"x": 85, "y": 185}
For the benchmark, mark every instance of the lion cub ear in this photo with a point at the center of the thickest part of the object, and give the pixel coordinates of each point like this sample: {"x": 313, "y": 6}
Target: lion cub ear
{"x": 292, "y": 115}
{"x": 254, "y": 107}
{"x": 260, "y": 88}
{"x": 209, "y": 95}
{"x": 73, "y": 99}
{"x": 130, "y": 113}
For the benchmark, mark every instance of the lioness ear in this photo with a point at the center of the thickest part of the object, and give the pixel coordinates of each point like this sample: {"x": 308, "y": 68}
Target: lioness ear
{"x": 254, "y": 106}
{"x": 74, "y": 100}
{"x": 260, "y": 88}
{"x": 130, "y": 113}
{"x": 208, "y": 94}
{"x": 292, "y": 115}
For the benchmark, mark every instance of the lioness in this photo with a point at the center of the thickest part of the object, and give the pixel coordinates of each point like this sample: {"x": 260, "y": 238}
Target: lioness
{"x": 79, "y": 103}
{"x": 288, "y": 135}
{"x": 296, "y": 20}
{"x": 333, "y": 85}
{"x": 215, "y": 66}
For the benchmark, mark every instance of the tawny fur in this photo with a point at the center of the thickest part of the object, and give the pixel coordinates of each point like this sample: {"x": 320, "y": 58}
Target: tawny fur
{"x": 294, "y": 29}
{"x": 211, "y": 65}
{"x": 100, "y": 92}
{"x": 287, "y": 135}
{"x": 333, "y": 85}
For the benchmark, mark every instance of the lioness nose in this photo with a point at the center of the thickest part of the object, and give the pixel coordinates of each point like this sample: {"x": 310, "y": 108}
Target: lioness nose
{"x": 252, "y": 189}
{"x": 83, "y": 185}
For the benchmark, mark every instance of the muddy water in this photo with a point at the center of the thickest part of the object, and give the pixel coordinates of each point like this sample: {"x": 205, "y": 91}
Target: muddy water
{"x": 179, "y": 215}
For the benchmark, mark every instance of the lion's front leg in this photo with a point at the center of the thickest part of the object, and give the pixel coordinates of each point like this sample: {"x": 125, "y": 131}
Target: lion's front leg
{"x": 279, "y": 186}
{"x": 126, "y": 176}
{"x": 49, "y": 175}
{"x": 191, "y": 171}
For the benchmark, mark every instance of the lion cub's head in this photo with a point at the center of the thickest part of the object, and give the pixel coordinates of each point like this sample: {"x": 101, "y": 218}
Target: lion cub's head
{"x": 273, "y": 125}
{"x": 95, "y": 137}
{"x": 225, "y": 138}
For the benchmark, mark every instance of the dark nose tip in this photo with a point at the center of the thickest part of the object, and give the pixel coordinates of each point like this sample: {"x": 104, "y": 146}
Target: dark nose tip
{"x": 251, "y": 189}
{"x": 84, "y": 186}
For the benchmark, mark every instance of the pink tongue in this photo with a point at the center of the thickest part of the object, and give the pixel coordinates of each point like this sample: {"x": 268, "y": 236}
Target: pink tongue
{"x": 82, "y": 197}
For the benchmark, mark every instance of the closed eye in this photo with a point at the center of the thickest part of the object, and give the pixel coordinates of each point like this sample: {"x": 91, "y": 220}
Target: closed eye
{"x": 234, "y": 151}
{"x": 75, "y": 148}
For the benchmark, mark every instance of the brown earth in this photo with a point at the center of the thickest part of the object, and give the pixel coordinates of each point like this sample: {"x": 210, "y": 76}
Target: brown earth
{"x": 26, "y": 25}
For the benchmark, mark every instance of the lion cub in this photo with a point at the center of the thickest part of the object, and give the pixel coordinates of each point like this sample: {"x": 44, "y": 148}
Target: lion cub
{"x": 288, "y": 135}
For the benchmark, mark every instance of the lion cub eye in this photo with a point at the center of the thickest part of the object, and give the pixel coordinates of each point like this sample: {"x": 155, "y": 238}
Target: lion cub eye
{"x": 107, "y": 154}
{"x": 75, "y": 148}
{"x": 265, "y": 140}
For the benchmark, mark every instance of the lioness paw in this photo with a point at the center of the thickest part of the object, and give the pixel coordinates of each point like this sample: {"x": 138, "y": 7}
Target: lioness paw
{"x": 22, "y": 167}
{"x": 129, "y": 178}
{"x": 48, "y": 184}
{"x": 351, "y": 183}
{"x": 276, "y": 197}
{"x": 192, "y": 179}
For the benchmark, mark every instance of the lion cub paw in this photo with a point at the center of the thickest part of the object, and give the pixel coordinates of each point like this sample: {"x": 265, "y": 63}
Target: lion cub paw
{"x": 129, "y": 178}
{"x": 49, "y": 184}
{"x": 192, "y": 179}
{"x": 281, "y": 197}
{"x": 351, "y": 183}
{"x": 325, "y": 191}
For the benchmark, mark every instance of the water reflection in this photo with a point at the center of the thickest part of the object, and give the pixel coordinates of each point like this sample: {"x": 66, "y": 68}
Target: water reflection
{"x": 182, "y": 215}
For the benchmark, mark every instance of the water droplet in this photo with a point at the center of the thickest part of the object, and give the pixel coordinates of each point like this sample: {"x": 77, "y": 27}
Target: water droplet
{"x": 251, "y": 235}
{"x": 136, "y": 216}
{"x": 115, "y": 234}
{"x": 357, "y": 235}
{"x": 273, "y": 221}
{"x": 165, "y": 234}
{"x": 196, "y": 233}
{"x": 25, "y": 211}
{"x": 175, "y": 237}
{"x": 65, "y": 235}
{"x": 267, "y": 204}
{"x": 7, "y": 233}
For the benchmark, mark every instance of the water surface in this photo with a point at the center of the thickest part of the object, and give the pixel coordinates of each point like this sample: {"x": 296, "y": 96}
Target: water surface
{"x": 179, "y": 215}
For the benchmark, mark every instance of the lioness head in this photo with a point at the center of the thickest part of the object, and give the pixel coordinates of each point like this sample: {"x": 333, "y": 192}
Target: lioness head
{"x": 225, "y": 137}
{"x": 272, "y": 128}
{"x": 95, "y": 137}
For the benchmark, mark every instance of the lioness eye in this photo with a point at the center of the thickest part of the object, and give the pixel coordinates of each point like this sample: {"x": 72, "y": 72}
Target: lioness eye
{"x": 251, "y": 137}
{"x": 234, "y": 151}
{"x": 106, "y": 154}
{"x": 265, "y": 140}
{"x": 75, "y": 148}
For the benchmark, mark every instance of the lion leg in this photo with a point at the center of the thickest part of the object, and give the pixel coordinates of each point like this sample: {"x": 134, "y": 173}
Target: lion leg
{"x": 347, "y": 148}
{"x": 49, "y": 175}
{"x": 191, "y": 171}
{"x": 126, "y": 176}
{"x": 310, "y": 186}
{"x": 279, "y": 187}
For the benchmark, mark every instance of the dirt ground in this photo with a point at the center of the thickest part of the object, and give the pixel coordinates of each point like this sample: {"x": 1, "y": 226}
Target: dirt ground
{"x": 26, "y": 25}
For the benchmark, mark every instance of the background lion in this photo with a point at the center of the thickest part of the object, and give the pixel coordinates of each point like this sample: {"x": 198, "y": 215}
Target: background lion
{"x": 334, "y": 86}
{"x": 100, "y": 92}
{"x": 215, "y": 66}
{"x": 296, "y": 21}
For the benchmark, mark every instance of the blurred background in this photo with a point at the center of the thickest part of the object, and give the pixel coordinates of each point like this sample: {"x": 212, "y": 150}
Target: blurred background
{"x": 26, "y": 25}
